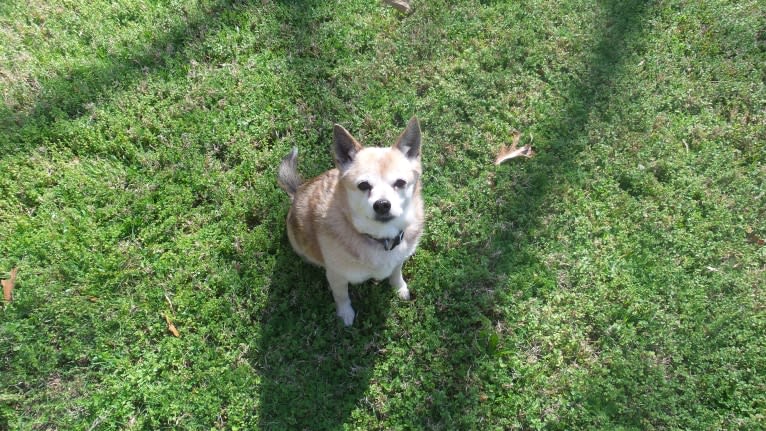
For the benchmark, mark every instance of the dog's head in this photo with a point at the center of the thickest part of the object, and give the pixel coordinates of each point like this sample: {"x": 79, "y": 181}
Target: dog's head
{"x": 380, "y": 182}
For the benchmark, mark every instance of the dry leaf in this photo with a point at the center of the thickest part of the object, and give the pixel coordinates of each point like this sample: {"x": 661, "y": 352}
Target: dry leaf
{"x": 400, "y": 5}
{"x": 171, "y": 326}
{"x": 755, "y": 239}
{"x": 8, "y": 285}
{"x": 514, "y": 151}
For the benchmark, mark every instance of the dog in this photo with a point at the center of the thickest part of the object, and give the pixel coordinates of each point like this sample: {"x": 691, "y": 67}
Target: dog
{"x": 362, "y": 219}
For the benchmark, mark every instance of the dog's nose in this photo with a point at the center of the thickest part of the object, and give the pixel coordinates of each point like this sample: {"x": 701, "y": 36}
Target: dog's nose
{"x": 382, "y": 207}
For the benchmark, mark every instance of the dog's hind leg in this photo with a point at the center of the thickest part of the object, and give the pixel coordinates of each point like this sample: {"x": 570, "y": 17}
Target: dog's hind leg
{"x": 339, "y": 287}
{"x": 397, "y": 282}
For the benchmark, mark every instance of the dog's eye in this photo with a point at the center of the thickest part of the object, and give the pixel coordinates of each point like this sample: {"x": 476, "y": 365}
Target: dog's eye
{"x": 399, "y": 184}
{"x": 364, "y": 186}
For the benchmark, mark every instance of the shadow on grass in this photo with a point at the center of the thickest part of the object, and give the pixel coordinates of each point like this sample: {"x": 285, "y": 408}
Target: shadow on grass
{"x": 66, "y": 95}
{"x": 469, "y": 309}
{"x": 313, "y": 370}
{"x": 566, "y": 133}
{"x": 315, "y": 373}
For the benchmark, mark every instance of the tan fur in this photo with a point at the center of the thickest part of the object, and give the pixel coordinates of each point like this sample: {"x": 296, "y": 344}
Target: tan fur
{"x": 331, "y": 221}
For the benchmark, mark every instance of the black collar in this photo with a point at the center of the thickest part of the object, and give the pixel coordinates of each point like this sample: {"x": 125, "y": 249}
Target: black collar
{"x": 388, "y": 243}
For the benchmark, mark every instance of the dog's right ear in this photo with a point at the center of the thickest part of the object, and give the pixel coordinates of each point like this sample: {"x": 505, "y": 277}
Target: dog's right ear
{"x": 345, "y": 147}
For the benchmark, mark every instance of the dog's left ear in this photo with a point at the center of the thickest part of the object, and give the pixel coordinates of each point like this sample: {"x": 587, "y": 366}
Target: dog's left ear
{"x": 345, "y": 147}
{"x": 409, "y": 141}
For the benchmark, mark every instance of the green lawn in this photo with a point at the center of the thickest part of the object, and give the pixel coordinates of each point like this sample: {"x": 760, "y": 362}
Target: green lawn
{"x": 614, "y": 281}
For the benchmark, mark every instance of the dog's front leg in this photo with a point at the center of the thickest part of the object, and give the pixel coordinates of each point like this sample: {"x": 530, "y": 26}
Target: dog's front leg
{"x": 339, "y": 287}
{"x": 397, "y": 282}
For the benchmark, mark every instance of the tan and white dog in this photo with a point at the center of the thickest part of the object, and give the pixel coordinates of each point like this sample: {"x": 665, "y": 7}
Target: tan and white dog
{"x": 361, "y": 220}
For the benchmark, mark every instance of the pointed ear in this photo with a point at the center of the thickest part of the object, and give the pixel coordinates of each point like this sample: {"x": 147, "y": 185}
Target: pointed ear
{"x": 345, "y": 147}
{"x": 409, "y": 141}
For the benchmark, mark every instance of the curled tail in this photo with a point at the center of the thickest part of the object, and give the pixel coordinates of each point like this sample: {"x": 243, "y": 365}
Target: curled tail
{"x": 288, "y": 177}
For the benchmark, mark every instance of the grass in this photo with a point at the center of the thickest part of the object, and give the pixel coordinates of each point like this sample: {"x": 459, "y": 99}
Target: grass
{"x": 614, "y": 281}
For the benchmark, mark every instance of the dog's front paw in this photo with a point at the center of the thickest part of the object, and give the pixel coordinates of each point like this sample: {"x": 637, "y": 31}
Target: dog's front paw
{"x": 403, "y": 293}
{"x": 346, "y": 313}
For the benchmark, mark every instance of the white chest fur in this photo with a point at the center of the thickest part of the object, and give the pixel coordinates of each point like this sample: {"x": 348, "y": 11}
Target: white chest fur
{"x": 369, "y": 260}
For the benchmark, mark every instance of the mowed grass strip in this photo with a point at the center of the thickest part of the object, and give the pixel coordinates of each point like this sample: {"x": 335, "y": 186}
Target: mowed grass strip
{"x": 613, "y": 281}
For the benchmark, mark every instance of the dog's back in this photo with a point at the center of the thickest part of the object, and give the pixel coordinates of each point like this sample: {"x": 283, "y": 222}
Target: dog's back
{"x": 311, "y": 213}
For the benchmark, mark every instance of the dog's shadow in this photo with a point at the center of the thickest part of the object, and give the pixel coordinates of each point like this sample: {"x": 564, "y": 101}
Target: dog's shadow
{"x": 314, "y": 371}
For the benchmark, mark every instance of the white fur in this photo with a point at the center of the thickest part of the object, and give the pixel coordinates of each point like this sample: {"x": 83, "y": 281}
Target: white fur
{"x": 331, "y": 220}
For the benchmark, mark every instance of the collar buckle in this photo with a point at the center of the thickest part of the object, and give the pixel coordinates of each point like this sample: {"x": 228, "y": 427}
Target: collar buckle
{"x": 389, "y": 243}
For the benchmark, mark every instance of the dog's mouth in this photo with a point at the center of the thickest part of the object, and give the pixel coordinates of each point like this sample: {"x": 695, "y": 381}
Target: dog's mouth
{"x": 384, "y": 218}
